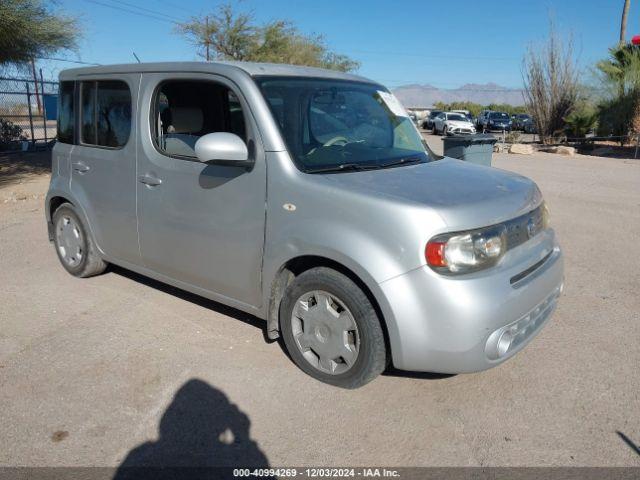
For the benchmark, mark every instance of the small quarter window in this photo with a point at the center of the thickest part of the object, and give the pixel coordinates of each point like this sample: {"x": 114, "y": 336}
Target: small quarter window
{"x": 185, "y": 110}
{"x": 66, "y": 119}
{"x": 105, "y": 113}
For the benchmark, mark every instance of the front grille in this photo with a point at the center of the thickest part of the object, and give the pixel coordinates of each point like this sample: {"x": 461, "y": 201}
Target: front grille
{"x": 524, "y": 227}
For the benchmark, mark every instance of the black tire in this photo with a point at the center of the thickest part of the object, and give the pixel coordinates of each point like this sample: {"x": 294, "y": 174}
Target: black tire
{"x": 435, "y": 129}
{"x": 372, "y": 353}
{"x": 90, "y": 263}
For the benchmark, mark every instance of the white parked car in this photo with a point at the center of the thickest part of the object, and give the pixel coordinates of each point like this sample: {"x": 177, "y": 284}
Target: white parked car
{"x": 450, "y": 123}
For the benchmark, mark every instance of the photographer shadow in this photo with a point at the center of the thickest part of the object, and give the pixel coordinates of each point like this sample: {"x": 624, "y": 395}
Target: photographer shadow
{"x": 199, "y": 432}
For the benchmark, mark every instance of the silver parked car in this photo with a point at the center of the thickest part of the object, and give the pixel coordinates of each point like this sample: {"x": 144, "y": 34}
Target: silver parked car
{"x": 307, "y": 198}
{"x": 451, "y": 123}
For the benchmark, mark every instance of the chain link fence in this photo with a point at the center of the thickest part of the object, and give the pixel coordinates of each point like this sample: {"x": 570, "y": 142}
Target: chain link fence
{"x": 28, "y": 111}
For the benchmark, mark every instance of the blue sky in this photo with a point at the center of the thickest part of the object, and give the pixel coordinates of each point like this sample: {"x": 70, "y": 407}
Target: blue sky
{"x": 445, "y": 44}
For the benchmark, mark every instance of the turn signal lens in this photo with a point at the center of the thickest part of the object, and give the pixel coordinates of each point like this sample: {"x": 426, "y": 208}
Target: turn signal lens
{"x": 435, "y": 254}
{"x": 545, "y": 216}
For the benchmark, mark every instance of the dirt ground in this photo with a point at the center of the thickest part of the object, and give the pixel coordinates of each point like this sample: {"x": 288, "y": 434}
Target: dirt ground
{"x": 120, "y": 369}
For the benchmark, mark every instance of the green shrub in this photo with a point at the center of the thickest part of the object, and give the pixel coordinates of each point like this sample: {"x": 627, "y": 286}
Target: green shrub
{"x": 10, "y": 132}
{"x": 581, "y": 121}
{"x": 616, "y": 115}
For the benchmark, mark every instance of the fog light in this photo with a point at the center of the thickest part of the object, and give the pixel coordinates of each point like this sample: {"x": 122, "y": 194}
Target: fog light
{"x": 504, "y": 342}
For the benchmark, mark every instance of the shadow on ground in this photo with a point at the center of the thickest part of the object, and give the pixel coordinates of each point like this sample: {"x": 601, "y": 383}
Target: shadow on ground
{"x": 630, "y": 443}
{"x": 394, "y": 372}
{"x": 193, "y": 298}
{"x": 199, "y": 430}
{"x": 17, "y": 166}
{"x": 250, "y": 319}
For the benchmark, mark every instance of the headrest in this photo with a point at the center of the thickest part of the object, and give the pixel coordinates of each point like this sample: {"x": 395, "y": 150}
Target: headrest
{"x": 185, "y": 120}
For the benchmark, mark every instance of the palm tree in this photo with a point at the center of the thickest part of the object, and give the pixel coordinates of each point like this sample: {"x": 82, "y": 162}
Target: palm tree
{"x": 622, "y": 68}
{"x": 622, "y": 72}
{"x": 623, "y": 25}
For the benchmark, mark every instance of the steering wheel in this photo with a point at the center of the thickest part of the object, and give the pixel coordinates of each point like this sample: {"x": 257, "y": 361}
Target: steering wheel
{"x": 335, "y": 140}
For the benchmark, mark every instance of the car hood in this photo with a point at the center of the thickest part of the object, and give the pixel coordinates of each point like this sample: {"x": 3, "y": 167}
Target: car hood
{"x": 463, "y": 194}
{"x": 459, "y": 123}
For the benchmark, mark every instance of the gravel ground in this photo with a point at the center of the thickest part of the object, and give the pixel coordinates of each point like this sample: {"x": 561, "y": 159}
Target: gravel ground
{"x": 121, "y": 369}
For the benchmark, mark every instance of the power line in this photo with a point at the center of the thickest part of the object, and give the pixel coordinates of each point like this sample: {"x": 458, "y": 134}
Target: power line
{"x": 134, "y": 12}
{"x": 66, "y": 60}
{"x": 154, "y": 12}
{"x": 446, "y": 57}
{"x": 179, "y": 7}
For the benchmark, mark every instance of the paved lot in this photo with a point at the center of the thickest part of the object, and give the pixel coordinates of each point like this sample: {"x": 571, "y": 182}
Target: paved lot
{"x": 90, "y": 370}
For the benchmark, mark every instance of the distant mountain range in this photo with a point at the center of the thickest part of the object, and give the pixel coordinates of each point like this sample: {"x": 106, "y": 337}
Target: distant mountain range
{"x": 428, "y": 95}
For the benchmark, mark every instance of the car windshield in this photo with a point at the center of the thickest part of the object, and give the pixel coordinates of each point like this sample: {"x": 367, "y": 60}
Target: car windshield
{"x": 342, "y": 125}
{"x": 499, "y": 116}
{"x": 457, "y": 117}
{"x": 435, "y": 113}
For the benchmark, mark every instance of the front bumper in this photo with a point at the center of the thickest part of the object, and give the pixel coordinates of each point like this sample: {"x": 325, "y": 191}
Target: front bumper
{"x": 451, "y": 324}
{"x": 506, "y": 128}
{"x": 461, "y": 131}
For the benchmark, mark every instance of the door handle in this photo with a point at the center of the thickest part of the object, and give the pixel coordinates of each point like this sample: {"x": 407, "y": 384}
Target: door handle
{"x": 149, "y": 180}
{"x": 81, "y": 167}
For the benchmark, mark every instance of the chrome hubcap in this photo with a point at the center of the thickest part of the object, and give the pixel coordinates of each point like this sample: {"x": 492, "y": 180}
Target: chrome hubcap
{"x": 325, "y": 332}
{"x": 69, "y": 241}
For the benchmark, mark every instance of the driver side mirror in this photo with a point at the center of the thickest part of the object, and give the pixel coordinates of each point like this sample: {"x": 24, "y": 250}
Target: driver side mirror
{"x": 223, "y": 148}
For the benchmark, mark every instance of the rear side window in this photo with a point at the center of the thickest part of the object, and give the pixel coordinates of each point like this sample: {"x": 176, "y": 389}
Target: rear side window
{"x": 105, "y": 113}
{"x": 66, "y": 113}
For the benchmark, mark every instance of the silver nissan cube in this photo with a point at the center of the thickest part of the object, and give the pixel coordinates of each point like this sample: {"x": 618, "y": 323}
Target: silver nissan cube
{"x": 307, "y": 198}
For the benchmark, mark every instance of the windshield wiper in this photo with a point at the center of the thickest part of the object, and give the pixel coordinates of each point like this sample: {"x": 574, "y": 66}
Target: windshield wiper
{"x": 343, "y": 167}
{"x": 401, "y": 161}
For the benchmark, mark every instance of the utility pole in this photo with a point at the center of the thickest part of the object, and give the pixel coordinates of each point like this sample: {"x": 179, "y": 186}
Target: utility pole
{"x": 206, "y": 35}
{"x": 623, "y": 24}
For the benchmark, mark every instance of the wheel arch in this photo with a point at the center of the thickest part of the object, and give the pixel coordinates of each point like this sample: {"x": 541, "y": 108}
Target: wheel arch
{"x": 55, "y": 200}
{"x": 297, "y": 265}
{"x": 53, "y": 203}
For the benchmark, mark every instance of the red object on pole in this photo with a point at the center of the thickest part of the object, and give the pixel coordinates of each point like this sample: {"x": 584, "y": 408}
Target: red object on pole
{"x": 636, "y": 40}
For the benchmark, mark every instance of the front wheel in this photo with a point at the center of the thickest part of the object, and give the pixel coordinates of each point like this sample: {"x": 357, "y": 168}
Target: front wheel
{"x": 331, "y": 329}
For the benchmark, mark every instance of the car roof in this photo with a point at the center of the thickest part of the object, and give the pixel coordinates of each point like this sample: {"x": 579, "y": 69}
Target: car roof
{"x": 251, "y": 68}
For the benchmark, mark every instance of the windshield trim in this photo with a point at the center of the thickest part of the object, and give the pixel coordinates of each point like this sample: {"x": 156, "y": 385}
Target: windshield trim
{"x": 429, "y": 154}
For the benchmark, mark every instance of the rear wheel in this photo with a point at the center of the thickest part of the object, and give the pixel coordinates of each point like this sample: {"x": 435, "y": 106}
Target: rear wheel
{"x": 331, "y": 330}
{"x": 74, "y": 245}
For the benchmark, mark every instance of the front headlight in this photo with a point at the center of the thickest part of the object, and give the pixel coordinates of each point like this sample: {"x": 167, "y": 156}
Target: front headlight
{"x": 465, "y": 252}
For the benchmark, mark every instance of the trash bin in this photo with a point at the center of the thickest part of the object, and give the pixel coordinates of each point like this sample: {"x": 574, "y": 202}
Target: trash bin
{"x": 476, "y": 148}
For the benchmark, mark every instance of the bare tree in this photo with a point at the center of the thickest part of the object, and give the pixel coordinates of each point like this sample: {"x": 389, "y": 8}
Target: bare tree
{"x": 623, "y": 24}
{"x": 551, "y": 84}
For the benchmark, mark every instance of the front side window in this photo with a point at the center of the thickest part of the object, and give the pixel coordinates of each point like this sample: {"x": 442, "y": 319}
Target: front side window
{"x": 105, "y": 113}
{"x": 66, "y": 120}
{"x": 185, "y": 110}
{"x": 334, "y": 123}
